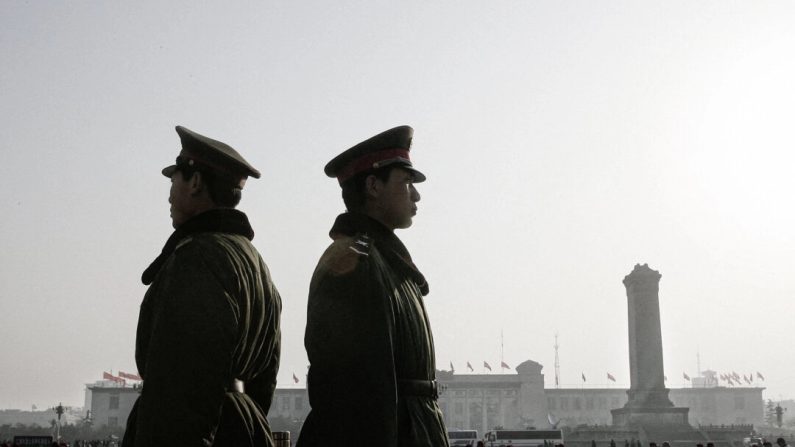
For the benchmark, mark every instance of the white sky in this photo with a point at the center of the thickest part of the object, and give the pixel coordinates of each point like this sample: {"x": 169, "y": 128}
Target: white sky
{"x": 564, "y": 142}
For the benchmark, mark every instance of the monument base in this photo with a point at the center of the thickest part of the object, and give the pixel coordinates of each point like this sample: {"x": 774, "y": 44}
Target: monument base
{"x": 650, "y": 417}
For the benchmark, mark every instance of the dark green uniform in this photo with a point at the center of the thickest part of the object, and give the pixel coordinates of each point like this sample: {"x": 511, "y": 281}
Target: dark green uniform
{"x": 210, "y": 316}
{"x": 371, "y": 379}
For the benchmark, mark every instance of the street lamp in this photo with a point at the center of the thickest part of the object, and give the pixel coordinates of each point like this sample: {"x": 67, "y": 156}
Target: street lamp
{"x": 59, "y": 410}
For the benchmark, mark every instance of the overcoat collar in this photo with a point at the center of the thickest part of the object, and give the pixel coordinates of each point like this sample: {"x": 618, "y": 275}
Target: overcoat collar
{"x": 219, "y": 220}
{"x": 351, "y": 224}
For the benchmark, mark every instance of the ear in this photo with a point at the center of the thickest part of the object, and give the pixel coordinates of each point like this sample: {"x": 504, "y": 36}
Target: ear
{"x": 372, "y": 186}
{"x": 196, "y": 183}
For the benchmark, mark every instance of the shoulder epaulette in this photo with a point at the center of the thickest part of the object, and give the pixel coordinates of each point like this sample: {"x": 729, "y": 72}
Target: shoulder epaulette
{"x": 344, "y": 255}
{"x": 361, "y": 244}
{"x": 183, "y": 242}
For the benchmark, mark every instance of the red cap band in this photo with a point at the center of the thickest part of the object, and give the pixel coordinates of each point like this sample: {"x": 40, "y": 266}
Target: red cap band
{"x": 370, "y": 161}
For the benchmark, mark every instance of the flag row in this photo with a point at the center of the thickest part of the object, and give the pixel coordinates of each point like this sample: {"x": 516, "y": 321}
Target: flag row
{"x": 486, "y": 366}
{"x": 733, "y": 378}
{"x": 120, "y": 378}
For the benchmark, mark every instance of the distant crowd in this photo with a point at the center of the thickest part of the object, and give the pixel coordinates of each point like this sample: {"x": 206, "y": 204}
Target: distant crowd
{"x": 76, "y": 443}
{"x": 780, "y": 442}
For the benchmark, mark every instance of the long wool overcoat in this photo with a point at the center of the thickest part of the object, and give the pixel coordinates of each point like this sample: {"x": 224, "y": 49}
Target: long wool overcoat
{"x": 210, "y": 316}
{"x": 367, "y": 329}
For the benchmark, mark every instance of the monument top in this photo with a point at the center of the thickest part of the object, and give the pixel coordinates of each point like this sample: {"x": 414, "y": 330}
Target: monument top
{"x": 642, "y": 273}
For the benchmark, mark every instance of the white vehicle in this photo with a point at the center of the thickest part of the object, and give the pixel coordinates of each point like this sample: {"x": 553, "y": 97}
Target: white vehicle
{"x": 463, "y": 438}
{"x": 523, "y": 438}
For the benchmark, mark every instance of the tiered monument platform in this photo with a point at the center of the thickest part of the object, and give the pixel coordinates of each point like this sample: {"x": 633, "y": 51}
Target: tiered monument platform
{"x": 649, "y": 415}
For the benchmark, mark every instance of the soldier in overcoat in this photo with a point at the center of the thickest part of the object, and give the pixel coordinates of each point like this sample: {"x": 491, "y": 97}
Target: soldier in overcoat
{"x": 208, "y": 338}
{"x": 368, "y": 337}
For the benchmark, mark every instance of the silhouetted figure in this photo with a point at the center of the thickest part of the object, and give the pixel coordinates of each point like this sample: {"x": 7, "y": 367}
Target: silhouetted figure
{"x": 208, "y": 338}
{"x": 368, "y": 336}
{"x": 781, "y": 442}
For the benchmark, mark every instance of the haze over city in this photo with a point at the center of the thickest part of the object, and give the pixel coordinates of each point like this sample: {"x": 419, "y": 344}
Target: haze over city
{"x": 564, "y": 142}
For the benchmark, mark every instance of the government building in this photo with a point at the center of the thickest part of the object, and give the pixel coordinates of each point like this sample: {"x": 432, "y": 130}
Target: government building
{"x": 484, "y": 401}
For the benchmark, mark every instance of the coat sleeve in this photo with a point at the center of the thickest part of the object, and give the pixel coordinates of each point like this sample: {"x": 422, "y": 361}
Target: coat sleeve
{"x": 349, "y": 340}
{"x": 189, "y": 355}
{"x": 262, "y": 388}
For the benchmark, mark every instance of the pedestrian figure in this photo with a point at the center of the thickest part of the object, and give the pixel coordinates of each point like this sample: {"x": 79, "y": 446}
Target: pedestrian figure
{"x": 208, "y": 336}
{"x": 368, "y": 336}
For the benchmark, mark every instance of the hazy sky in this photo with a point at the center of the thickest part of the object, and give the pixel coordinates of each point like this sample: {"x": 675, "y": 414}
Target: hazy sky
{"x": 564, "y": 142}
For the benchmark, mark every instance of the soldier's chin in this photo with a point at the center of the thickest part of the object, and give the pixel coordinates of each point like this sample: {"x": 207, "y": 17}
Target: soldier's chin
{"x": 406, "y": 224}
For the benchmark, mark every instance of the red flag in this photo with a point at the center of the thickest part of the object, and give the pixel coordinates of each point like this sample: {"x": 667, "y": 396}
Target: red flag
{"x": 504, "y": 365}
{"x": 109, "y": 376}
{"x": 610, "y": 377}
{"x": 469, "y": 365}
{"x": 665, "y": 378}
{"x": 684, "y": 374}
{"x": 486, "y": 365}
{"x": 129, "y": 376}
{"x": 758, "y": 374}
{"x": 295, "y": 378}
{"x": 583, "y": 377}
{"x": 452, "y": 369}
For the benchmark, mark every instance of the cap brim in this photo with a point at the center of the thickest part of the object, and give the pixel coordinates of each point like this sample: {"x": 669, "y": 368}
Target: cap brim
{"x": 168, "y": 171}
{"x": 419, "y": 177}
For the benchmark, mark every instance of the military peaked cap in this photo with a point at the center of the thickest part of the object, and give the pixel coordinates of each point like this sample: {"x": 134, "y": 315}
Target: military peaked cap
{"x": 385, "y": 149}
{"x": 198, "y": 150}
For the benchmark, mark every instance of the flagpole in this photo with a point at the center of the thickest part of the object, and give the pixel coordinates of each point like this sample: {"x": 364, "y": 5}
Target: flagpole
{"x": 502, "y": 351}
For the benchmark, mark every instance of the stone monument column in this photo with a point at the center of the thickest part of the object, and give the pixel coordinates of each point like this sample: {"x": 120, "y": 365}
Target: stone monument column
{"x": 648, "y": 404}
{"x": 647, "y": 384}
